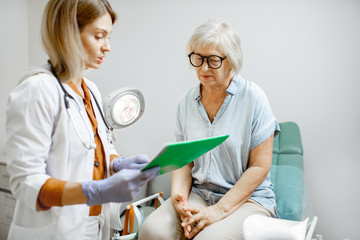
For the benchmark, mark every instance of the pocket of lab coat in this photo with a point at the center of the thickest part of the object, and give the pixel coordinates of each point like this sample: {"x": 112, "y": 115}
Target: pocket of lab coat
{"x": 18, "y": 232}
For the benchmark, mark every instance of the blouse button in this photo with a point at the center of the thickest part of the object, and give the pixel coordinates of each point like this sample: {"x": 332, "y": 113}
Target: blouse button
{"x": 96, "y": 164}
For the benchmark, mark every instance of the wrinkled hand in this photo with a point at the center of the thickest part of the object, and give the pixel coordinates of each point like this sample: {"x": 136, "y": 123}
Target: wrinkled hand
{"x": 120, "y": 187}
{"x": 200, "y": 218}
{"x": 179, "y": 202}
{"x": 137, "y": 162}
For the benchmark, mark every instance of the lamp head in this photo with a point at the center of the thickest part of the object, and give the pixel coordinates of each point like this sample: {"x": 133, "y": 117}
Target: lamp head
{"x": 123, "y": 107}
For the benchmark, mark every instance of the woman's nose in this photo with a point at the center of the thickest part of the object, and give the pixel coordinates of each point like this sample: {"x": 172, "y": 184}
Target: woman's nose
{"x": 205, "y": 65}
{"x": 106, "y": 46}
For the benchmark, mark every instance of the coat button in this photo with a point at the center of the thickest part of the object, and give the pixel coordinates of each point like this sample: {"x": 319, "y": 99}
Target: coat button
{"x": 96, "y": 164}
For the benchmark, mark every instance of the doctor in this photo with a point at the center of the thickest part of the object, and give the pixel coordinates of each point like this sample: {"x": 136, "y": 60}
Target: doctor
{"x": 63, "y": 169}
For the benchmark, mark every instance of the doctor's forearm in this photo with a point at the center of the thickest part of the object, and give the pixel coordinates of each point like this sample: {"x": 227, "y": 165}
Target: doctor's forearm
{"x": 50, "y": 194}
{"x": 58, "y": 193}
{"x": 72, "y": 194}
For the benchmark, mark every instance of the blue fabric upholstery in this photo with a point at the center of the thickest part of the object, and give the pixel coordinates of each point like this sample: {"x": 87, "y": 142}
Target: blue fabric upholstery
{"x": 287, "y": 172}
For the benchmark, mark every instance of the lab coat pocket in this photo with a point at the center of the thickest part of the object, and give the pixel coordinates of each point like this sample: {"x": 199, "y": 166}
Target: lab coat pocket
{"x": 19, "y": 232}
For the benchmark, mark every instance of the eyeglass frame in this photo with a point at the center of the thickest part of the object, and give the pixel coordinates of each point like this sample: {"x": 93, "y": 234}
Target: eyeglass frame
{"x": 207, "y": 60}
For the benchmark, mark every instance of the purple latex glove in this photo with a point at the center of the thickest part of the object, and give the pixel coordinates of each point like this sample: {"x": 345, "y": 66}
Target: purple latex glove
{"x": 135, "y": 163}
{"x": 120, "y": 187}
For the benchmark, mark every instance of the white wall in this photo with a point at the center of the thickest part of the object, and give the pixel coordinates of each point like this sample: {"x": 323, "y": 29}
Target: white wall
{"x": 304, "y": 54}
{"x": 14, "y": 55}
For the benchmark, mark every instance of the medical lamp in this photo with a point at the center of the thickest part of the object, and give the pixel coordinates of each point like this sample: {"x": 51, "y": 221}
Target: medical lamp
{"x": 123, "y": 107}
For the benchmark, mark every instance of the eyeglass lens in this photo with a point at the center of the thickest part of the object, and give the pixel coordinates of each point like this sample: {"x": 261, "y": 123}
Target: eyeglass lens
{"x": 213, "y": 61}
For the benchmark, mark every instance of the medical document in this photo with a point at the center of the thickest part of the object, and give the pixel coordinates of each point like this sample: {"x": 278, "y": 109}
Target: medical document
{"x": 177, "y": 154}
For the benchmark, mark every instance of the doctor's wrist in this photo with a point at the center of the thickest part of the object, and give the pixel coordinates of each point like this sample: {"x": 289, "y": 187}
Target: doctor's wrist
{"x": 73, "y": 194}
{"x": 112, "y": 168}
{"x": 113, "y": 159}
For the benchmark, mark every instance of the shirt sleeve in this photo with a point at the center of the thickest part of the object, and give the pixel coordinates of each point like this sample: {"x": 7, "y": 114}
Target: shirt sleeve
{"x": 178, "y": 128}
{"x": 264, "y": 123}
{"x": 50, "y": 193}
{"x": 113, "y": 156}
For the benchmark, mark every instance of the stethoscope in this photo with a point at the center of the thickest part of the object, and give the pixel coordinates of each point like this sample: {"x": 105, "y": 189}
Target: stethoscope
{"x": 67, "y": 96}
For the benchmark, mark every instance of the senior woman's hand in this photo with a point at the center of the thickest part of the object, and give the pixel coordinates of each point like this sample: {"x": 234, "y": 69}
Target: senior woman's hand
{"x": 201, "y": 218}
{"x": 179, "y": 203}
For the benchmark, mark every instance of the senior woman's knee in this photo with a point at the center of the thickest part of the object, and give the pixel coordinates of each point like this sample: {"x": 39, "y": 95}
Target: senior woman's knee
{"x": 161, "y": 224}
{"x": 218, "y": 234}
{"x": 151, "y": 229}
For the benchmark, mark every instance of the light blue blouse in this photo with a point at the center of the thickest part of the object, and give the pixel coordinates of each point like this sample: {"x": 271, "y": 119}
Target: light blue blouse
{"x": 247, "y": 117}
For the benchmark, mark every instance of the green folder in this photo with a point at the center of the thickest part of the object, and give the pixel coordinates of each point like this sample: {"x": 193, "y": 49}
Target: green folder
{"x": 176, "y": 155}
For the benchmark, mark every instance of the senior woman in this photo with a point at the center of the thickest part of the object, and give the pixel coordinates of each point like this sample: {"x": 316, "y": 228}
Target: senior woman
{"x": 212, "y": 196}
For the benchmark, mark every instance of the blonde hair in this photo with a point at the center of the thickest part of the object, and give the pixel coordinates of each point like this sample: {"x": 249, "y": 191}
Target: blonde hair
{"x": 62, "y": 22}
{"x": 217, "y": 33}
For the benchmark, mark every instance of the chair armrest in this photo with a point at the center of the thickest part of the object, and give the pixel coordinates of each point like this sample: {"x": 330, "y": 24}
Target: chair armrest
{"x": 311, "y": 228}
{"x": 133, "y": 210}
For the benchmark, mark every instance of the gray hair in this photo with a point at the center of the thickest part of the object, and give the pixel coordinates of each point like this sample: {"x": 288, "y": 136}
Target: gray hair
{"x": 217, "y": 33}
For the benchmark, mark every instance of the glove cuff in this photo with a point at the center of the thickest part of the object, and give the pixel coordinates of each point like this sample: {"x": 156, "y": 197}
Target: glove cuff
{"x": 116, "y": 162}
{"x": 90, "y": 190}
{"x": 112, "y": 167}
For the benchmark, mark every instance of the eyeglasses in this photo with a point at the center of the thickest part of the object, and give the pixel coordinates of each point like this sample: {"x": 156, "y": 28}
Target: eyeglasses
{"x": 213, "y": 61}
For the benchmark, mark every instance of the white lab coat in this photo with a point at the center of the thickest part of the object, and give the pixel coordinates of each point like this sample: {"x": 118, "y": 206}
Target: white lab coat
{"x": 42, "y": 142}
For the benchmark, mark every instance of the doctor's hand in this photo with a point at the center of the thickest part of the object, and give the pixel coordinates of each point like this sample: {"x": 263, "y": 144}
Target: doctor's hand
{"x": 136, "y": 163}
{"x": 120, "y": 187}
{"x": 201, "y": 218}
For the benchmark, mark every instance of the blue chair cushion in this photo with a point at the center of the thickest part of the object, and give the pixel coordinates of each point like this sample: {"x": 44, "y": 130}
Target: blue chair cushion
{"x": 287, "y": 172}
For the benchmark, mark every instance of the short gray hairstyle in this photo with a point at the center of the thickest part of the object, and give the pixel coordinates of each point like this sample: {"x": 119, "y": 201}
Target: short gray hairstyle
{"x": 218, "y": 33}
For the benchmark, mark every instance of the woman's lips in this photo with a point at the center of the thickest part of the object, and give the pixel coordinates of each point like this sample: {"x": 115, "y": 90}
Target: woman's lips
{"x": 100, "y": 59}
{"x": 206, "y": 76}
